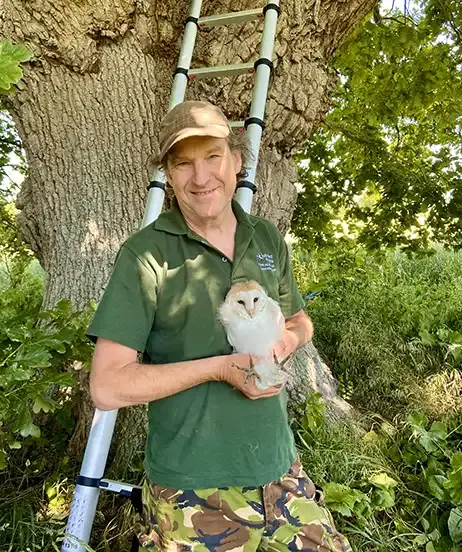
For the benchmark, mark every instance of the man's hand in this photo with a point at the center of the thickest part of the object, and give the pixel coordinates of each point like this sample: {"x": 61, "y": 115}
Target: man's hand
{"x": 288, "y": 344}
{"x": 239, "y": 373}
{"x": 298, "y": 331}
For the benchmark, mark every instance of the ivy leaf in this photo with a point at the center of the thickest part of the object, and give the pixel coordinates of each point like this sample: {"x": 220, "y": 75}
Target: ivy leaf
{"x": 455, "y": 524}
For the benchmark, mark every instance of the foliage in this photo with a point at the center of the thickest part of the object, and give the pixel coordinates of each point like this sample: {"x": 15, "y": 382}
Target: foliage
{"x": 11, "y": 160}
{"x": 11, "y": 56}
{"x": 389, "y": 326}
{"x": 36, "y": 349}
{"x": 396, "y": 487}
{"x": 385, "y": 167}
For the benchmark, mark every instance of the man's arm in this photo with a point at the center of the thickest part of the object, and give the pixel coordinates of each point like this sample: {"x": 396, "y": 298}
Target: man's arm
{"x": 298, "y": 331}
{"x": 117, "y": 380}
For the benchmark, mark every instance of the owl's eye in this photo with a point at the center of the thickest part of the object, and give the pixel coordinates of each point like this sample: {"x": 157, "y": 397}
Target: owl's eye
{"x": 241, "y": 302}
{"x": 255, "y": 299}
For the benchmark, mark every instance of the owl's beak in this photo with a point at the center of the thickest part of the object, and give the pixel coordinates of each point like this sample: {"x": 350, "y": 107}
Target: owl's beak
{"x": 250, "y": 312}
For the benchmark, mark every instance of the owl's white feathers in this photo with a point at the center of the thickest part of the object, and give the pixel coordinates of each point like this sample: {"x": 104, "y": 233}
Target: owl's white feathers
{"x": 254, "y": 324}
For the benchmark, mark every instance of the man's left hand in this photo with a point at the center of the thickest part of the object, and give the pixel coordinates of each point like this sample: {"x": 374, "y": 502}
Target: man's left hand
{"x": 286, "y": 346}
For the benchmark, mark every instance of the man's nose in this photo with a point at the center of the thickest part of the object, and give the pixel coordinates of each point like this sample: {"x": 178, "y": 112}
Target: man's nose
{"x": 201, "y": 173}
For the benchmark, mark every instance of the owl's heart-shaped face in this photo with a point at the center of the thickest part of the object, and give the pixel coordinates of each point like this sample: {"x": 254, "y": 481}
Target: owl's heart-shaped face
{"x": 248, "y": 304}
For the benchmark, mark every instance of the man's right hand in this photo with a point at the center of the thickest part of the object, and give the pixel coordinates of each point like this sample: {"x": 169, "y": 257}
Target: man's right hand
{"x": 240, "y": 374}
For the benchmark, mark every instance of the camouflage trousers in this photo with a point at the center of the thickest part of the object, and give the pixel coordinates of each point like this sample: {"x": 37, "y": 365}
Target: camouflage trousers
{"x": 287, "y": 514}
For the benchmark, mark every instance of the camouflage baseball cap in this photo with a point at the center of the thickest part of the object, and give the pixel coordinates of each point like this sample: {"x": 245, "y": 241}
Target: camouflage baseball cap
{"x": 192, "y": 118}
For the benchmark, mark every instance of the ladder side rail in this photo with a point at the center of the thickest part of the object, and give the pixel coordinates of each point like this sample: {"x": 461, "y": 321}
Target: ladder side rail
{"x": 156, "y": 194}
{"x": 245, "y": 193}
{"x": 86, "y": 492}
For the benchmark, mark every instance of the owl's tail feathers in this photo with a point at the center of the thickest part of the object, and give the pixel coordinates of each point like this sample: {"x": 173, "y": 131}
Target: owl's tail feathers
{"x": 270, "y": 375}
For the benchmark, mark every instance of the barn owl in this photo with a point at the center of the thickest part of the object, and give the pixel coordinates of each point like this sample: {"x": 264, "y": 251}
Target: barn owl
{"x": 254, "y": 323}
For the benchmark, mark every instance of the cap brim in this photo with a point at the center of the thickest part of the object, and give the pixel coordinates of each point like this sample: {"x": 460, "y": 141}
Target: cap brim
{"x": 215, "y": 131}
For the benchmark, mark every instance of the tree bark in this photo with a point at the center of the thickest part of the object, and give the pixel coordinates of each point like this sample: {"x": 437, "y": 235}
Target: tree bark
{"x": 92, "y": 97}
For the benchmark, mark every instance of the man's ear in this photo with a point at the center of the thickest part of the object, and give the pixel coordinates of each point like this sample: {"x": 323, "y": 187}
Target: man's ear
{"x": 237, "y": 161}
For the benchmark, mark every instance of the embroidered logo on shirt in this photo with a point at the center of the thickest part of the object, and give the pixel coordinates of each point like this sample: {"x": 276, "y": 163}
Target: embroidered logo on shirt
{"x": 266, "y": 262}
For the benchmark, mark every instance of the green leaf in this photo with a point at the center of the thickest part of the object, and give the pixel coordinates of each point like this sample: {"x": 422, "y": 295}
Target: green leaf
{"x": 417, "y": 420}
{"x": 342, "y": 498}
{"x": 382, "y": 499}
{"x": 2, "y": 459}
{"x": 383, "y": 480}
{"x": 11, "y": 56}
{"x": 456, "y": 460}
{"x": 454, "y": 483}
{"x": 16, "y": 334}
{"x": 35, "y": 357}
{"x": 455, "y": 524}
{"x": 435, "y": 486}
{"x": 30, "y": 429}
{"x": 427, "y": 338}
{"x": 24, "y": 424}
{"x": 42, "y": 403}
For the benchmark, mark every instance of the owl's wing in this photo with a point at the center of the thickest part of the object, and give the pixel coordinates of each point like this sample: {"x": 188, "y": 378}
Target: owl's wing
{"x": 276, "y": 313}
{"x": 226, "y": 316}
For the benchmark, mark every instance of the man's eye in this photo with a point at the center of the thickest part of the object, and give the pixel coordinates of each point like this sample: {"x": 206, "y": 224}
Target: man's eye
{"x": 214, "y": 156}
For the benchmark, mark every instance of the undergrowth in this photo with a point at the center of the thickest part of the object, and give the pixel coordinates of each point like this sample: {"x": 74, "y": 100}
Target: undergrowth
{"x": 397, "y": 487}
{"x": 389, "y": 326}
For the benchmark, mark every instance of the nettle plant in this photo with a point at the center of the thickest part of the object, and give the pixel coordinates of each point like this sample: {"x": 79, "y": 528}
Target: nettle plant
{"x": 38, "y": 356}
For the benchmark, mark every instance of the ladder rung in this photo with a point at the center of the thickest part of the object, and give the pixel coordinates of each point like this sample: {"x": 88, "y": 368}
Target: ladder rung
{"x": 230, "y": 18}
{"x": 221, "y": 71}
{"x": 237, "y": 124}
{"x": 117, "y": 486}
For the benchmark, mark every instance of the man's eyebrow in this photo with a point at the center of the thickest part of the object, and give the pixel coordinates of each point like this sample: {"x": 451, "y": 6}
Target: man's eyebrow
{"x": 216, "y": 148}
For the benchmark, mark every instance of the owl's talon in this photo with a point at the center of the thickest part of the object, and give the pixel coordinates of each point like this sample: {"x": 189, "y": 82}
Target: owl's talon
{"x": 250, "y": 371}
{"x": 280, "y": 363}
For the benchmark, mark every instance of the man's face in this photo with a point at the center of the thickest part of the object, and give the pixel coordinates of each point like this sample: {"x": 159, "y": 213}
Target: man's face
{"x": 202, "y": 172}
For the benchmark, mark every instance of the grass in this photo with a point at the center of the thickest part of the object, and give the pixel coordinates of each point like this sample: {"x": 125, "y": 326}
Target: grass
{"x": 388, "y": 327}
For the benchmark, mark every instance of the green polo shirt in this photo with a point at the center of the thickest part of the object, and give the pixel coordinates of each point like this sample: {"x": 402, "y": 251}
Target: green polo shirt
{"x": 162, "y": 298}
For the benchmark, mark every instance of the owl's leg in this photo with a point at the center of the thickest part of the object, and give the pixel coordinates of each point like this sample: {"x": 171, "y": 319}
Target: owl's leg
{"x": 281, "y": 363}
{"x": 251, "y": 372}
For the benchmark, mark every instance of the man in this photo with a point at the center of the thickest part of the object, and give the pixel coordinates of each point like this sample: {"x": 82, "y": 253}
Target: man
{"x": 222, "y": 470}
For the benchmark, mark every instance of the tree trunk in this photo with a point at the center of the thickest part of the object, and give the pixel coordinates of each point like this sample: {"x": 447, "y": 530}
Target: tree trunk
{"x": 89, "y": 107}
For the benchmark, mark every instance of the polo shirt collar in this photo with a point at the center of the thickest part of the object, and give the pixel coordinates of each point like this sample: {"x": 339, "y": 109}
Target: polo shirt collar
{"x": 172, "y": 221}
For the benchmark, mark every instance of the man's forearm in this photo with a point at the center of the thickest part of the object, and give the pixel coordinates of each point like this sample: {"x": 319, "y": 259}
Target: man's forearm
{"x": 137, "y": 383}
{"x": 302, "y": 327}
{"x": 298, "y": 330}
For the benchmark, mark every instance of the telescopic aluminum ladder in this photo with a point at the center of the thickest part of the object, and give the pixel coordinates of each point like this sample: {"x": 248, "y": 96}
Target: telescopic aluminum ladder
{"x": 90, "y": 480}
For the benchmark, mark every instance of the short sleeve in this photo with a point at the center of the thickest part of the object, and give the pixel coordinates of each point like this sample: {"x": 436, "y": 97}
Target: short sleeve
{"x": 127, "y": 309}
{"x": 290, "y": 299}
